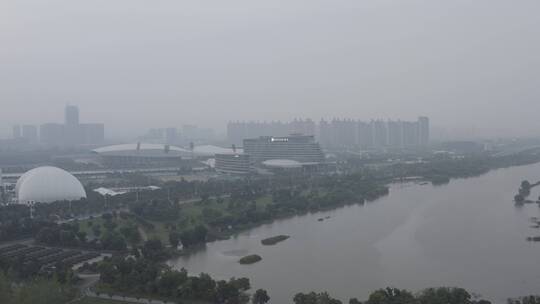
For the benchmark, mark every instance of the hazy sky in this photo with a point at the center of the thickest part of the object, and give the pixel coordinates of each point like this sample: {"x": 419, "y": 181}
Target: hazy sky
{"x": 135, "y": 64}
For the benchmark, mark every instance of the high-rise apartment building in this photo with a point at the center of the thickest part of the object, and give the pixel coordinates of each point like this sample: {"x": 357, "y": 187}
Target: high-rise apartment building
{"x": 52, "y": 134}
{"x": 380, "y": 134}
{"x": 17, "y": 131}
{"x": 238, "y": 131}
{"x": 423, "y": 130}
{"x": 395, "y": 134}
{"x": 72, "y": 133}
{"x": 341, "y": 133}
{"x": 365, "y": 135}
{"x": 171, "y": 136}
{"x": 71, "y": 115}
{"x": 30, "y": 133}
{"x": 410, "y": 134}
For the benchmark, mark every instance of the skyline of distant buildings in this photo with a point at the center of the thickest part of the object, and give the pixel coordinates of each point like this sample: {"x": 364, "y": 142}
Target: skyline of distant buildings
{"x": 341, "y": 133}
{"x": 71, "y": 133}
{"x": 179, "y": 136}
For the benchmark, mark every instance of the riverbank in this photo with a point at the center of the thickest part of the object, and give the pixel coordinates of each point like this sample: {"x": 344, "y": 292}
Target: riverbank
{"x": 226, "y": 218}
{"x": 416, "y": 231}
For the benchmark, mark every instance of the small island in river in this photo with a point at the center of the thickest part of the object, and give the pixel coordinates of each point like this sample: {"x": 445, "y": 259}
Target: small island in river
{"x": 250, "y": 259}
{"x": 274, "y": 240}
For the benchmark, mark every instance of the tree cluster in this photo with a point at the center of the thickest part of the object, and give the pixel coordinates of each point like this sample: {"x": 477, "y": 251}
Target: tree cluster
{"x": 441, "y": 295}
{"x": 147, "y": 278}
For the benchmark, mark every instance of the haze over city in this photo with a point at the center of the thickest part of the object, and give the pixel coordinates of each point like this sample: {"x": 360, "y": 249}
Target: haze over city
{"x": 269, "y": 152}
{"x": 471, "y": 66}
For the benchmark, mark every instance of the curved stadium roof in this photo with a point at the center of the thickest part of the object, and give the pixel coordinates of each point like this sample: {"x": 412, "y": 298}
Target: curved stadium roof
{"x": 47, "y": 185}
{"x": 159, "y": 150}
{"x": 146, "y": 150}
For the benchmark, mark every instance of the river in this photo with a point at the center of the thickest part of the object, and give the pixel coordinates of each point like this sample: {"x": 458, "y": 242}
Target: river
{"x": 467, "y": 233}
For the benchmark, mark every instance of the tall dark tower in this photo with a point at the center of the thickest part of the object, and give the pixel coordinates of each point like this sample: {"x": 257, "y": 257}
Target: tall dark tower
{"x": 72, "y": 129}
{"x": 423, "y": 130}
{"x": 71, "y": 116}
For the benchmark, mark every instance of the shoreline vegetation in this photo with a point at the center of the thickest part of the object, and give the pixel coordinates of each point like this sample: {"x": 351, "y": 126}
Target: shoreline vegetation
{"x": 523, "y": 193}
{"x": 148, "y": 284}
{"x": 226, "y": 207}
{"x": 250, "y": 259}
{"x": 274, "y": 240}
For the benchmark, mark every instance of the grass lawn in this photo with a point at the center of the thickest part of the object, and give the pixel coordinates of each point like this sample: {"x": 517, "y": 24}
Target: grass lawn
{"x": 192, "y": 215}
{"x": 99, "y": 221}
{"x": 160, "y": 232}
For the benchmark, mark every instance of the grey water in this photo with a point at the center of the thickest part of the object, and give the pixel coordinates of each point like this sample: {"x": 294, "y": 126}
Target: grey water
{"x": 467, "y": 233}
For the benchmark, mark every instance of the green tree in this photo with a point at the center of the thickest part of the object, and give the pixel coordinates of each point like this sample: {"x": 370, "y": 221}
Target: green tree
{"x": 444, "y": 295}
{"x": 42, "y": 292}
{"x": 525, "y": 300}
{"x": 260, "y": 297}
{"x": 391, "y": 296}
{"x": 314, "y": 298}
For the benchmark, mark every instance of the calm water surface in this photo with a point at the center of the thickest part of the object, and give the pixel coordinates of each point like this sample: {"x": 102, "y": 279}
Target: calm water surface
{"x": 467, "y": 233}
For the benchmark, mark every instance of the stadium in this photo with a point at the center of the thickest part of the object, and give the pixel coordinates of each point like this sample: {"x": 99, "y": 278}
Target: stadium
{"x": 141, "y": 155}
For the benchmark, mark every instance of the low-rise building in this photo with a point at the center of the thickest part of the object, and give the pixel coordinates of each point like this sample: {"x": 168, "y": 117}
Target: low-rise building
{"x": 233, "y": 163}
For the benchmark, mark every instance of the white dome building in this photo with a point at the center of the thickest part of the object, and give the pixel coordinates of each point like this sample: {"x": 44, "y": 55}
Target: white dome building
{"x": 47, "y": 185}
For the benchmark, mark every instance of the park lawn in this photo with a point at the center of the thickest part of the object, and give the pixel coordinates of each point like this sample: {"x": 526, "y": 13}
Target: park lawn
{"x": 160, "y": 232}
{"x": 85, "y": 227}
{"x": 264, "y": 201}
{"x": 191, "y": 217}
{"x": 98, "y": 221}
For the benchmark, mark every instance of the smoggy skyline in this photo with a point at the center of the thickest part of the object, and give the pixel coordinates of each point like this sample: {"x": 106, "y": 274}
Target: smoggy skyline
{"x": 468, "y": 65}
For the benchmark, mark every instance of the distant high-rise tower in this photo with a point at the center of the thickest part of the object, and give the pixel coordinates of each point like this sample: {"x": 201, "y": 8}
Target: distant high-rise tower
{"x": 72, "y": 131}
{"x": 17, "y": 131}
{"x": 71, "y": 116}
{"x": 423, "y": 130}
{"x": 171, "y": 136}
{"x": 30, "y": 133}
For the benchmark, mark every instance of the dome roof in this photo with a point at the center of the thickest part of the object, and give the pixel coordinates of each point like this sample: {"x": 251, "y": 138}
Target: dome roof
{"x": 47, "y": 185}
